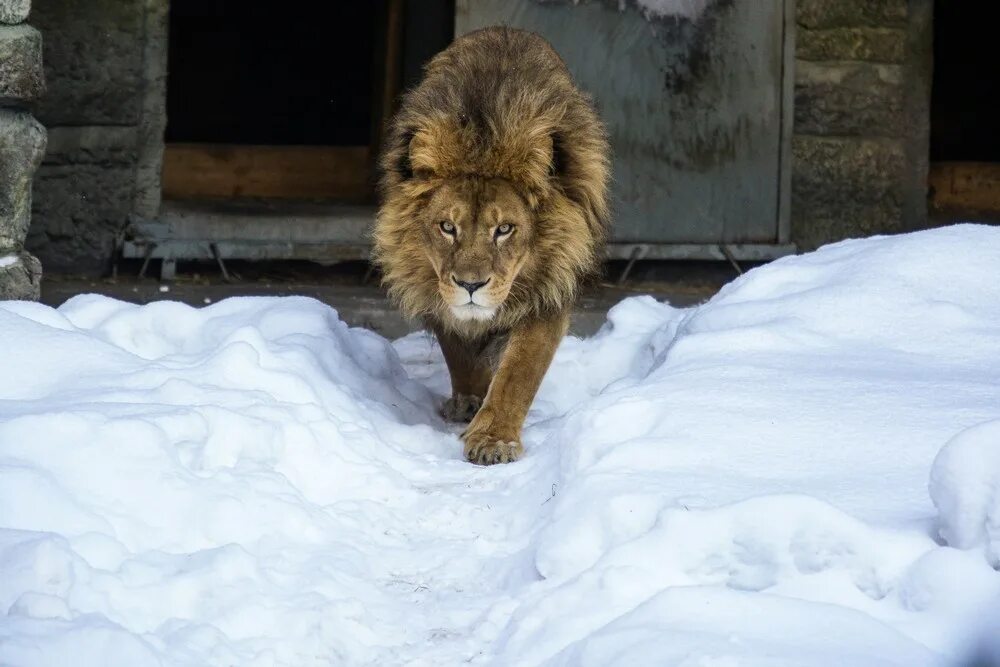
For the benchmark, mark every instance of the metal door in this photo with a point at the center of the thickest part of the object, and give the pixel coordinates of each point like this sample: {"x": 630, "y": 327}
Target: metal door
{"x": 695, "y": 101}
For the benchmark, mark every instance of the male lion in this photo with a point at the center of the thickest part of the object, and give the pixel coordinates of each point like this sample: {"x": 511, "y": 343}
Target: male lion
{"x": 494, "y": 208}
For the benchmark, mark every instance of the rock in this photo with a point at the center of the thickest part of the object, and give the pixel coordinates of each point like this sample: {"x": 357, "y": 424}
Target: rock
{"x": 21, "y": 75}
{"x": 93, "y": 61}
{"x": 20, "y": 277}
{"x": 22, "y": 145}
{"x": 14, "y": 11}
{"x": 846, "y": 188}
{"x": 841, "y": 13}
{"x": 882, "y": 45}
{"x": 79, "y": 209}
{"x": 849, "y": 99}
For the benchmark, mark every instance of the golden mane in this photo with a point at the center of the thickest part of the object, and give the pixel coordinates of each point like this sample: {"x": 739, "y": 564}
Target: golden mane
{"x": 498, "y": 103}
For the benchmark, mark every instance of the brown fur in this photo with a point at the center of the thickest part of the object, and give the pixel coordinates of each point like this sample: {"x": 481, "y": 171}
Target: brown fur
{"x": 495, "y": 172}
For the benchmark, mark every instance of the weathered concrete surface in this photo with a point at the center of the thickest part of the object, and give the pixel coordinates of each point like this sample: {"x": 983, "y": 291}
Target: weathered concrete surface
{"x": 688, "y": 168}
{"x": 22, "y": 144}
{"x": 20, "y": 277}
{"x": 106, "y": 65}
{"x": 850, "y": 13}
{"x": 14, "y": 11}
{"x": 845, "y": 188}
{"x": 79, "y": 208}
{"x": 862, "y": 97}
{"x": 153, "y": 111}
{"x": 852, "y": 99}
{"x": 879, "y": 45}
{"x": 93, "y": 61}
{"x": 83, "y": 196}
{"x": 21, "y": 76}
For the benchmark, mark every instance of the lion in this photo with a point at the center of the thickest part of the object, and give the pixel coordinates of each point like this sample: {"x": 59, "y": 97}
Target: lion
{"x": 494, "y": 211}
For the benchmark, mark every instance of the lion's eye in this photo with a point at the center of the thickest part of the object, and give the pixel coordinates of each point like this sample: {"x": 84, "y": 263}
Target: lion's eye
{"x": 504, "y": 230}
{"x": 448, "y": 228}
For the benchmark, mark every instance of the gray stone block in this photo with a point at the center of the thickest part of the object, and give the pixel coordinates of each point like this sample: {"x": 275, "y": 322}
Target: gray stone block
{"x": 21, "y": 76}
{"x": 852, "y": 99}
{"x": 845, "y": 188}
{"x": 882, "y": 45}
{"x": 93, "y": 61}
{"x": 83, "y": 193}
{"x": 103, "y": 145}
{"x": 20, "y": 277}
{"x": 22, "y": 144}
{"x": 14, "y": 11}
{"x": 79, "y": 209}
{"x": 850, "y": 13}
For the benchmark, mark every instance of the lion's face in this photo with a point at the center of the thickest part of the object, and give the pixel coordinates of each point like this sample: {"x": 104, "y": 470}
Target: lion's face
{"x": 478, "y": 237}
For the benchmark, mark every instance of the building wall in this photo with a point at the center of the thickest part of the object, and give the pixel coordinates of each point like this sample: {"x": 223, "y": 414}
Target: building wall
{"x": 22, "y": 142}
{"x": 105, "y": 61}
{"x": 861, "y": 123}
{"x": 861, "y": 114}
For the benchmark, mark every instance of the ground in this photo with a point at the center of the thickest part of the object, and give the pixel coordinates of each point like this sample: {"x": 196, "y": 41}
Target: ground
{"x": 358, "y": 299}
{"x": 803, "y": 470}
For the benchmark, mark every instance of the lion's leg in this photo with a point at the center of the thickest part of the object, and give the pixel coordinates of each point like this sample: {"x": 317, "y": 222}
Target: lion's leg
{"x": 470, "y": 377}
{"x": 494, "y": 436}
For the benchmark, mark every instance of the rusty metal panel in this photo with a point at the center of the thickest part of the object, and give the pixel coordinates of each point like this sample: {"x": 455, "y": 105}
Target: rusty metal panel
{"x": 693, "y": 101}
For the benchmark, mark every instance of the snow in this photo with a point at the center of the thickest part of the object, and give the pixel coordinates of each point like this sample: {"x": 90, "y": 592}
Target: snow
{"x": 965, "y": 487}
{"x": 744, "y": 482}
{"x": 8, "y": 260}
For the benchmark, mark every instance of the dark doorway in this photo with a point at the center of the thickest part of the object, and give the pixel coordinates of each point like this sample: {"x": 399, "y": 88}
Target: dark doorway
{"x": 240, "y": 75}
{"x": 965, "y": 106}
{"x": 289, "y": 104}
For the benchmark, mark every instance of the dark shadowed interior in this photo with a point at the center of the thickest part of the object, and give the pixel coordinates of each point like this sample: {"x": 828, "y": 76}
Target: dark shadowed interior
{"x": 242, "y": 73}
{"x": 965, "y": 103}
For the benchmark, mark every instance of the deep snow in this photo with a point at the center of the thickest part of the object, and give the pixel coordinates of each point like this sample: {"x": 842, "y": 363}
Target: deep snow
{"x": 756, "y": 481}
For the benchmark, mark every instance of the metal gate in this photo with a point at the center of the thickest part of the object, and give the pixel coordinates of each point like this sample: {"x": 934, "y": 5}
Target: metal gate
{"x": 697, "y": 103}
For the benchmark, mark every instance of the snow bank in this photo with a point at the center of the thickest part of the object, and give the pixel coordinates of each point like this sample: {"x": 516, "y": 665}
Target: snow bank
{"x": 744, "y": 482}
{"x": 965, "y": 487}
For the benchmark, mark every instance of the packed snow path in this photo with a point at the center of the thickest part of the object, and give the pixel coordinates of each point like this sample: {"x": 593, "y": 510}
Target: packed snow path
{"x": 762, "y": 480}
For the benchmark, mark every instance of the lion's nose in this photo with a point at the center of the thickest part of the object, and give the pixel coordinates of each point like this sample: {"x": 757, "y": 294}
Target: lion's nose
{"x": 469, "y": 287}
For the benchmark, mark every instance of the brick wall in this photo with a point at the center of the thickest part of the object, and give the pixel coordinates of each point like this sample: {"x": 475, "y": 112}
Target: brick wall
{"x": 105, "y": 61}
{"x": 22, "y": 143}
{"x": 862, "y": 95}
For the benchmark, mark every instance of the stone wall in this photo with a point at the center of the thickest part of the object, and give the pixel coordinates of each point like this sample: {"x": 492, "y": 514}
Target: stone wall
{"x": 105, "y": 61}
{"x": 22, "y": 143}
{"x": 861, "y": 119}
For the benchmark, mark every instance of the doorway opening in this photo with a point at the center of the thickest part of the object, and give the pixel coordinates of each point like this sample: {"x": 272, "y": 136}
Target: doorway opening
{"x": 274, "y": 125}
{"x": 965, "y": 106}
{"x": 261, "y": 107}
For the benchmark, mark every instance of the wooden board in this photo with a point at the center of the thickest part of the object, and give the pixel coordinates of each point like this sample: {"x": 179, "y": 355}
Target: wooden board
{"x": 340, "y": 173}
{"x": 970, "y": 187}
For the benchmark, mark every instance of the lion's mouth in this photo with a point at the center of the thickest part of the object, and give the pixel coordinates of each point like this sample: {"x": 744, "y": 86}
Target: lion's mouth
{"x": 472, "y": 311}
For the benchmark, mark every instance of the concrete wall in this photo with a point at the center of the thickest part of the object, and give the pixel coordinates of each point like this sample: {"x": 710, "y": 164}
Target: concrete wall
{"x": 105, "y": 61}
{"x": 861, "y": 114}
{"x": 861, "y": 128}
{"x": 22, "y": 142}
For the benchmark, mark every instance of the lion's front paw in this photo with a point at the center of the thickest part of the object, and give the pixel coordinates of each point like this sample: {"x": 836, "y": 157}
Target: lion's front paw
{"x": 461, "y": 408}
{"x": 485, "y": 449}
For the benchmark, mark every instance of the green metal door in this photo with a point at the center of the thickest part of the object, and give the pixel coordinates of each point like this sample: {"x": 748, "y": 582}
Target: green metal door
{"x": 695, "y": 100}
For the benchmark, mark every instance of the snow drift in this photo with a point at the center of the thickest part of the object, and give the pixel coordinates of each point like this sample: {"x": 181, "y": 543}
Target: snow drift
{"x": 255, "y": 483}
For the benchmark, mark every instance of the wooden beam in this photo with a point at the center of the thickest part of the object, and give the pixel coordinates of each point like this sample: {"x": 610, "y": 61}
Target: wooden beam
{"x": 285, "y": 172}
{"x": 388, "y": 76}
{"x": 965, "y": 187}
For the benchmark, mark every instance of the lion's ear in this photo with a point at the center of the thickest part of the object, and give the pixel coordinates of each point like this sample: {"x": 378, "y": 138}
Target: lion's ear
{"x": 433, "y": 152}
{"x": 403, "y": 165}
